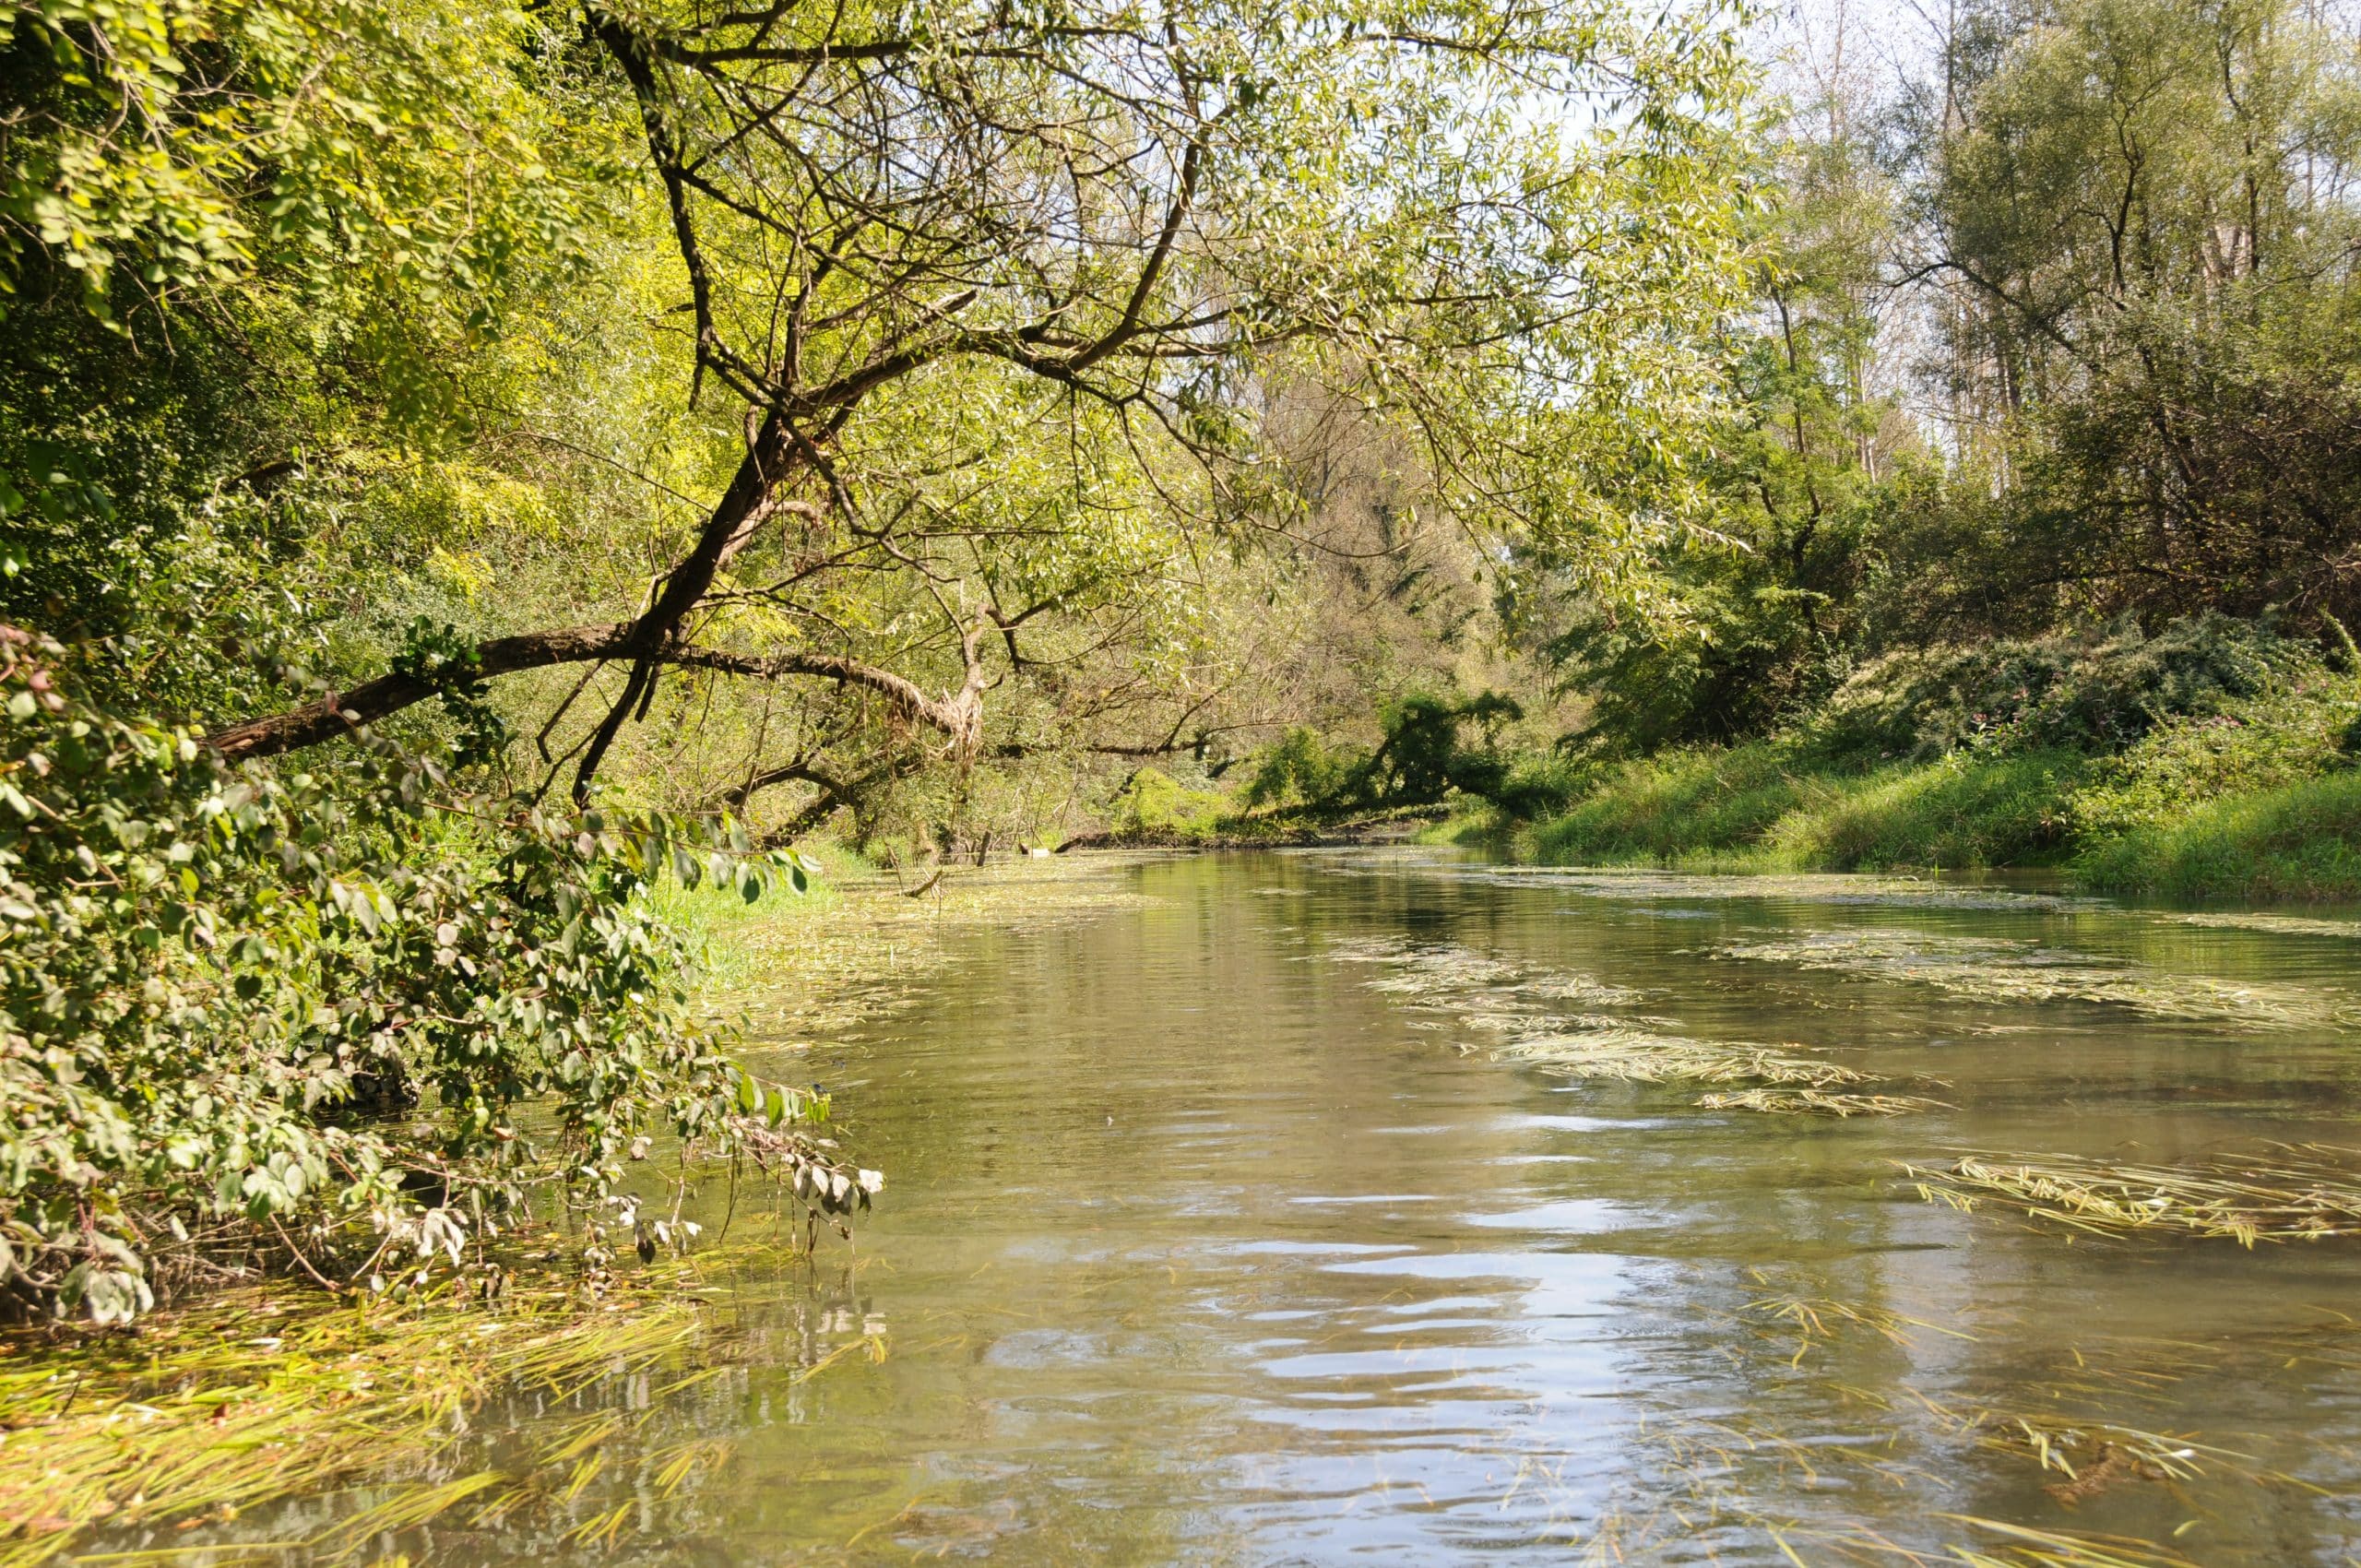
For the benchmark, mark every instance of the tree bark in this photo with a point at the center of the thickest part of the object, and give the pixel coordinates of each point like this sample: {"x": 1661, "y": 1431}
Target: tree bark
{"x": 958, "y": 716}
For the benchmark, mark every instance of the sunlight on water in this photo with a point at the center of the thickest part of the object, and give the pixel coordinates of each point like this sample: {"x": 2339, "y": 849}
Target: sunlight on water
{"x": 1301, "y": 1213}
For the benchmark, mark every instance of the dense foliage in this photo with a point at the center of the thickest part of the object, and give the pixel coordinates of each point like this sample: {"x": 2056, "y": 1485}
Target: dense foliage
{"x": 461, "y": 464}
{"x": 355, "y": 1016}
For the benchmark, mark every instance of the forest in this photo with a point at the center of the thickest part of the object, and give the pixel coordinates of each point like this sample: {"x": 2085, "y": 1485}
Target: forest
{"x": 484, "y": 488}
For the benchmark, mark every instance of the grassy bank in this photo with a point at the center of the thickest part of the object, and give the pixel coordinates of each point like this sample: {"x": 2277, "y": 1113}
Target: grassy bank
{"x": 1756, "y": 808}
{"x": 1763, "y": 807}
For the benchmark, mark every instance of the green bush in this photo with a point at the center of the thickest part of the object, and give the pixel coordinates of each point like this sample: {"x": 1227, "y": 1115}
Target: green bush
{"x": 2056, "y": 691}
{"x": 2291, "y": 735}
{"x": 355, "y": 1017}
{"x": 1155, "y": 806}
{"x": 1302, "y": 769}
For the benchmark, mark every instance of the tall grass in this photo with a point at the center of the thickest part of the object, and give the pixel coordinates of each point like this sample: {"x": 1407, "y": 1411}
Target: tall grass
{"x": 2296, "y": 842}
{"x": 1764, "y": 807}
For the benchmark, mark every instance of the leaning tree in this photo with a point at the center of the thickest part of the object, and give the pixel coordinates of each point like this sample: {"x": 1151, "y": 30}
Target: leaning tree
{"x": 1498, "y": 224}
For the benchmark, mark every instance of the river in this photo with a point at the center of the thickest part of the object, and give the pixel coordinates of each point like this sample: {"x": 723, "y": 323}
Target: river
{"x": 1283, "y": 1215}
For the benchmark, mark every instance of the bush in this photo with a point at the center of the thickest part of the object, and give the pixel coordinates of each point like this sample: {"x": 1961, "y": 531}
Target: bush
{"x": 1302, "y": 770}
{"x": 353, "y": 1017}
{"x": 2288, "y": 737}
{"x": 1153, "y": 804}
{"x": 2048, "y": 692}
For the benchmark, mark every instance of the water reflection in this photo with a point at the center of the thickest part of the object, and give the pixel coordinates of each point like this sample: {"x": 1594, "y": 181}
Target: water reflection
{"x": 1204, "y": 1245}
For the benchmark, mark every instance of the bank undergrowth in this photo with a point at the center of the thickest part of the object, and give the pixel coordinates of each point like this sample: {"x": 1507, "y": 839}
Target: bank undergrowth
{"x": 2211, "y": 761}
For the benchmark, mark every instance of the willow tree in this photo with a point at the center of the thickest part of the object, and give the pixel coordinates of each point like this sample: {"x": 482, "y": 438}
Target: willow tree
{"x": 1499, "y": 224}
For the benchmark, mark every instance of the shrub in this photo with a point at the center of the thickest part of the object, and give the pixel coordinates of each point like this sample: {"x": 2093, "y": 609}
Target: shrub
{"x": 353, "y": 1017}
{"x": 2291, "y": 735}
{"x": 2048, "y": 692}
{"x": 1153, "y": 804}
{"x": 1302, "y": 769}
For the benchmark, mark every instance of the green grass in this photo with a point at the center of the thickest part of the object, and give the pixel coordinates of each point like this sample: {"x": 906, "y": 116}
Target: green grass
{"x": 1760, "y": 807}
{"x": 2300, "y": 841}
{"x": 1765, "y": 807}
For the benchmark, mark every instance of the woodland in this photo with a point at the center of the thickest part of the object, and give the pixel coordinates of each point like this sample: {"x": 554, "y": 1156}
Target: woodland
{"x": 470, "y": 472}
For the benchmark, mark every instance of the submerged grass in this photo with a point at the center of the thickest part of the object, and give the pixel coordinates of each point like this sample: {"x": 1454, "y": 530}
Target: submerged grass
{"x": 2285, "y": 1193}
{"x": 2000, "y": 970}
{"x": 1476, "y": 993}
{"x": 271, "y": 1392}
{"x": 2280, "y": 925}
{"x": 1815, "y": 1102}
{"x": 1642, "y": 1056}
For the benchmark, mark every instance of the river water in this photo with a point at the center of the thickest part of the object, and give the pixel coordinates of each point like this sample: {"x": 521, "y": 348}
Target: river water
{"x": 1247, "y": 1223}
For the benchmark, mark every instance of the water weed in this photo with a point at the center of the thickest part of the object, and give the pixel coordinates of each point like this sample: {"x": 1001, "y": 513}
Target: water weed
{"x": 1997, "y": 970}
{"x": 272, "y": 1392}
{"x": 2284, "y": 1192}
{"x": 1816, "y": 1102}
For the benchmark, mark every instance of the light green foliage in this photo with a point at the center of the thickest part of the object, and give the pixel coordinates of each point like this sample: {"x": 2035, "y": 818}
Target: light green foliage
{"x": 355, "y": 1004}
{"x": 387, "y": 151}
{"x": 1794, "y": 475}
{"x": 1154, "y": 807}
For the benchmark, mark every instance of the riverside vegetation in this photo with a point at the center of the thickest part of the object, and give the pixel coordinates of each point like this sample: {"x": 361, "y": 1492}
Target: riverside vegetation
{"x": 494, "y": 498}
{"x": 473, "y": 479}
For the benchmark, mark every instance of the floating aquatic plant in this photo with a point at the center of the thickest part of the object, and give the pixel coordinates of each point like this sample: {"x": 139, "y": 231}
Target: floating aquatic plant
{"x": 273, "y": 1393}
{"x": 1642, "y": 1056}
{"x": 2000, "y": 970}
{"x": 1447, "y": 974}
{"x": 2289, "y": 925}
{"x": 2287, "y": 1192}
{"x": 1494, "y": 997}
{"x": 1818, "y": 1102}
{"x": 1832, "y": 888}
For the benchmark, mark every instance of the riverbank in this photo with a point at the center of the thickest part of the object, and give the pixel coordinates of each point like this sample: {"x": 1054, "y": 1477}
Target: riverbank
{"x": 174, "y": 1428}
{"x": 2154, "y": 822}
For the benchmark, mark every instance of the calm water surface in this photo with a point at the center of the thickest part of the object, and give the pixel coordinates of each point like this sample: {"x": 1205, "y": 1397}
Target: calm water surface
{"x": 1217, "y": 1232}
